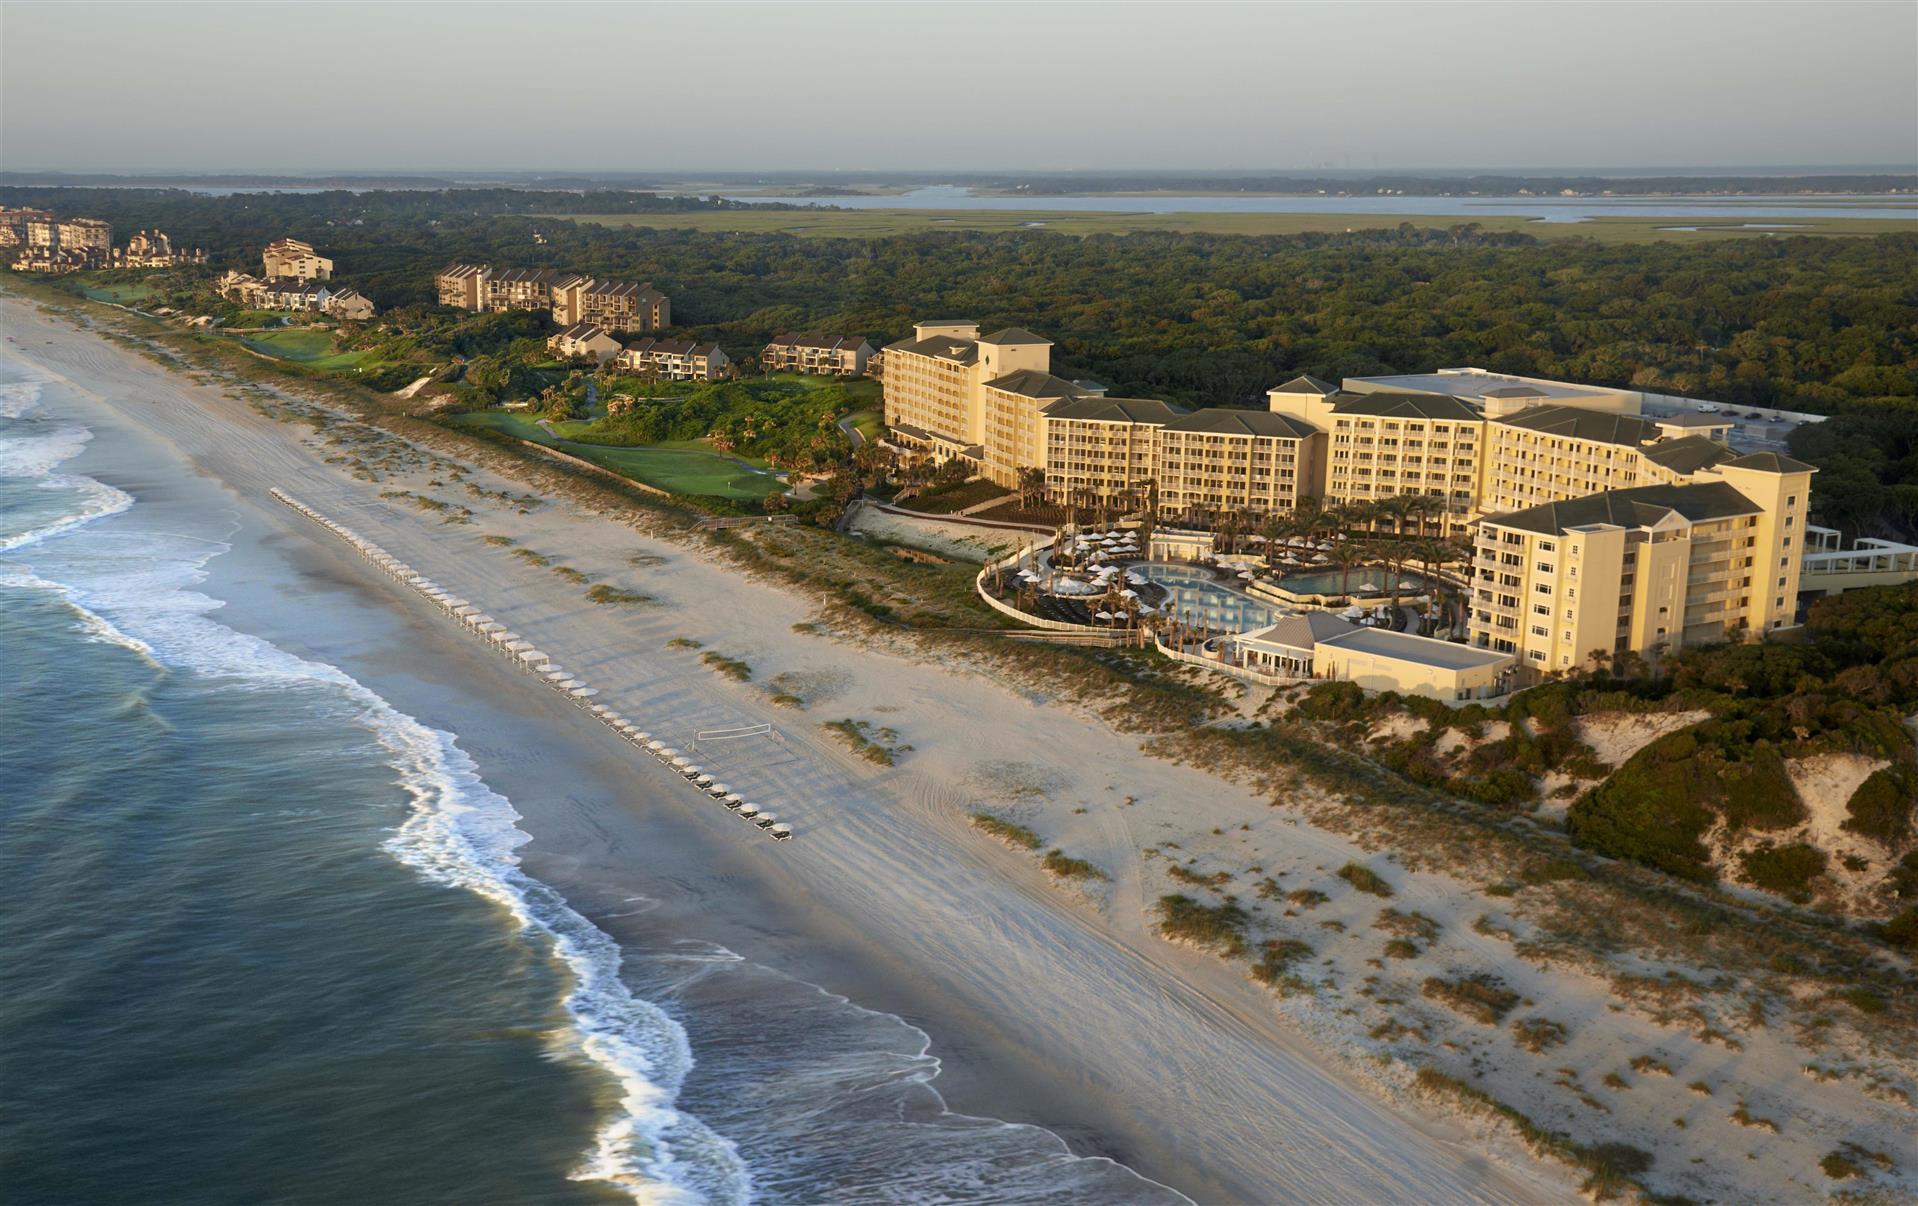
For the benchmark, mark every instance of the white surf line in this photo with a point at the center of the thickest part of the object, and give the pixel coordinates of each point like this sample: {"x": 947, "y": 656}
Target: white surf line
{"x": 530, "y": 660}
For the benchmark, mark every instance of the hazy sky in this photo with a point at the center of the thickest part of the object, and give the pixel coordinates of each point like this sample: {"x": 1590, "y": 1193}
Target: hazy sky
{"x": 308, "y": 86}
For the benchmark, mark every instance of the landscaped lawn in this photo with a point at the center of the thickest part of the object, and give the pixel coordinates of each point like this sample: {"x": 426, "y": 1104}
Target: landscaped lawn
{"x": 311, "y": 348}
{"x": 681, "y": 467}
{"x": 125, "y": 293}
{"x": 868, "y": 423}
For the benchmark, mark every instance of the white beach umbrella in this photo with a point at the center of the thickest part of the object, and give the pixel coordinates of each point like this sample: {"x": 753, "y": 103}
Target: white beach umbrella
{"x": 655, "y": 745}
{"x": 587, "y": 693}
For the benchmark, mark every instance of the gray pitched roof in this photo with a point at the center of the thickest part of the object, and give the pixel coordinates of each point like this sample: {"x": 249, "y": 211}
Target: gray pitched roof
{"x": 1221, "y": 420}
{"x": 1303, "y": 631}
{"x": 943, "y": 347}
{"x": 1578, "y": 423}
{"x": 1771, "y": 462}
{"x": 1034, "y": 384}
{"x": 1640, "y": 506}
{"x": 1015, "y": 337}
{"x": 1405, "y": 406}
{"x": 1687, "y": 455}
{"x": 1113, "y": 410}
{"x": 1306, "y": 383}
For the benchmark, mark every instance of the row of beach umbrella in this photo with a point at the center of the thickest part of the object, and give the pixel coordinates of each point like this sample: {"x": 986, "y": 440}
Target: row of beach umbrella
{"x": 532, "y": 661}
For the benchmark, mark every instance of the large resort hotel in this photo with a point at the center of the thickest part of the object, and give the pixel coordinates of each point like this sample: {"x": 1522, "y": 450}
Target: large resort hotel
{"x": 1596, "y": 528}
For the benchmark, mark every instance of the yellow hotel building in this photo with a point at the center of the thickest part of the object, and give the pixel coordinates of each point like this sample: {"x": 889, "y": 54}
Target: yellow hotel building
{"x": 1596, "y": 529}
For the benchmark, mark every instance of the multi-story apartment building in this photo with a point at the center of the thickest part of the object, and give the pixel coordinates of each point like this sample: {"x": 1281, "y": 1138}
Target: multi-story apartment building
{"x": 288, "y": 293}
{"x": 816, "y": 355}
{"x": 1385, "y": 444}
{"x": 53, "y": 244}
{"x": 154, "y": 250}
{"x": 503, "y": 289}
{"x": 935, "y": 383}
{"x": 1544, "y": 453}
{"x": 90, "y": 237}
{"x": 296, "y": 260}
{"x": 458, "y": 285}
{"x": 1252, "y": 461}
{"x": 584, "y": 340}
{"x": 13, "y": 224}
{"x": 571, "y": 298}
{"x": 1644, "y": 569}
{"x": 348, "y": 304}
{"x": 1017, "y": 409}
{"x": 1102, "y": 449}
{"x": 675, "y": 359}
{"x": 611, "y": 305}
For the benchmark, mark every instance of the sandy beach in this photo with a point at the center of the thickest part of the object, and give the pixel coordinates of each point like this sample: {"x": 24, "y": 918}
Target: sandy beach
{"x": 1041, "y": 1002}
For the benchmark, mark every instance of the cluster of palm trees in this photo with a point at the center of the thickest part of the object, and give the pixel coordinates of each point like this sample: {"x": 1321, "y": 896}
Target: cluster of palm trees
{"x": 1394, "y": 532}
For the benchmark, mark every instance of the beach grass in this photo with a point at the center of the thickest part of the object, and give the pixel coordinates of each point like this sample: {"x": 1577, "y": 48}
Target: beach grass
{"x": 1010, "y": 832}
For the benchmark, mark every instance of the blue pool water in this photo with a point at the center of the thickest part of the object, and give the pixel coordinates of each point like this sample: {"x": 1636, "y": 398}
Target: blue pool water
{"x": 1202, "y": 600}
{"x": 1367, "y": 581}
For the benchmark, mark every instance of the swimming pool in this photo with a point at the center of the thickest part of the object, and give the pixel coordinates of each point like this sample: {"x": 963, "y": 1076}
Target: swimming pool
{"x": 1196, "y": 597}
{"x": 1369, "y": 581}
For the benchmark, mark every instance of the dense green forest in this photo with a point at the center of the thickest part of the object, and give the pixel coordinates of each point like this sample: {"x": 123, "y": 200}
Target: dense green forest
{"x": 1828, "y": 325}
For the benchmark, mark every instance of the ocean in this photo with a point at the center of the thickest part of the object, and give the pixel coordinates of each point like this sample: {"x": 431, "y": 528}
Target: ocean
{"x": 268, "y": 938}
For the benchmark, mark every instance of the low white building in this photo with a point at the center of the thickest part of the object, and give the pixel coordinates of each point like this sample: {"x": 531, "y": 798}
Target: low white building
{"x": 1378, "y": 659}
{"x": 1290, "y": 645}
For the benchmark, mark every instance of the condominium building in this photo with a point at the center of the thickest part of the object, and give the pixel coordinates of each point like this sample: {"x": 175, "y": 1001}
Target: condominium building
{"x": 1102, "y": 450}
{"x": 816, "y": 355}
{"x": 53, "y": 244}
{"x": 675, "y": 359}
{"x": 13, "y": 224}
{"x": 154, "y": 250}
{"x": 1381, "y": 445}
{"x": 1544, "y": 453}
{"x": 1645, "y": 569}
{"x": 287, "y": 293}
{"x": 584, "y": 340}
{"x": 458, "y": 285}
{"x": 571, "y": 298}
{"x": 935, "y": 383}
{"x": 295, "y": 259}
{"x": 348, "y": 304}
{"x": 90, "y": 237}
{"x": 1217, "y": 459}
{"x": 1018, "y": 408}
{"x": 504, "y": 289}
{"x": 611, "y": 305}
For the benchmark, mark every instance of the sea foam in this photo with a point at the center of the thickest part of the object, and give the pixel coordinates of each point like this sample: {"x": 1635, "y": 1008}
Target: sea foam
{"x": 134, "y": 588}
